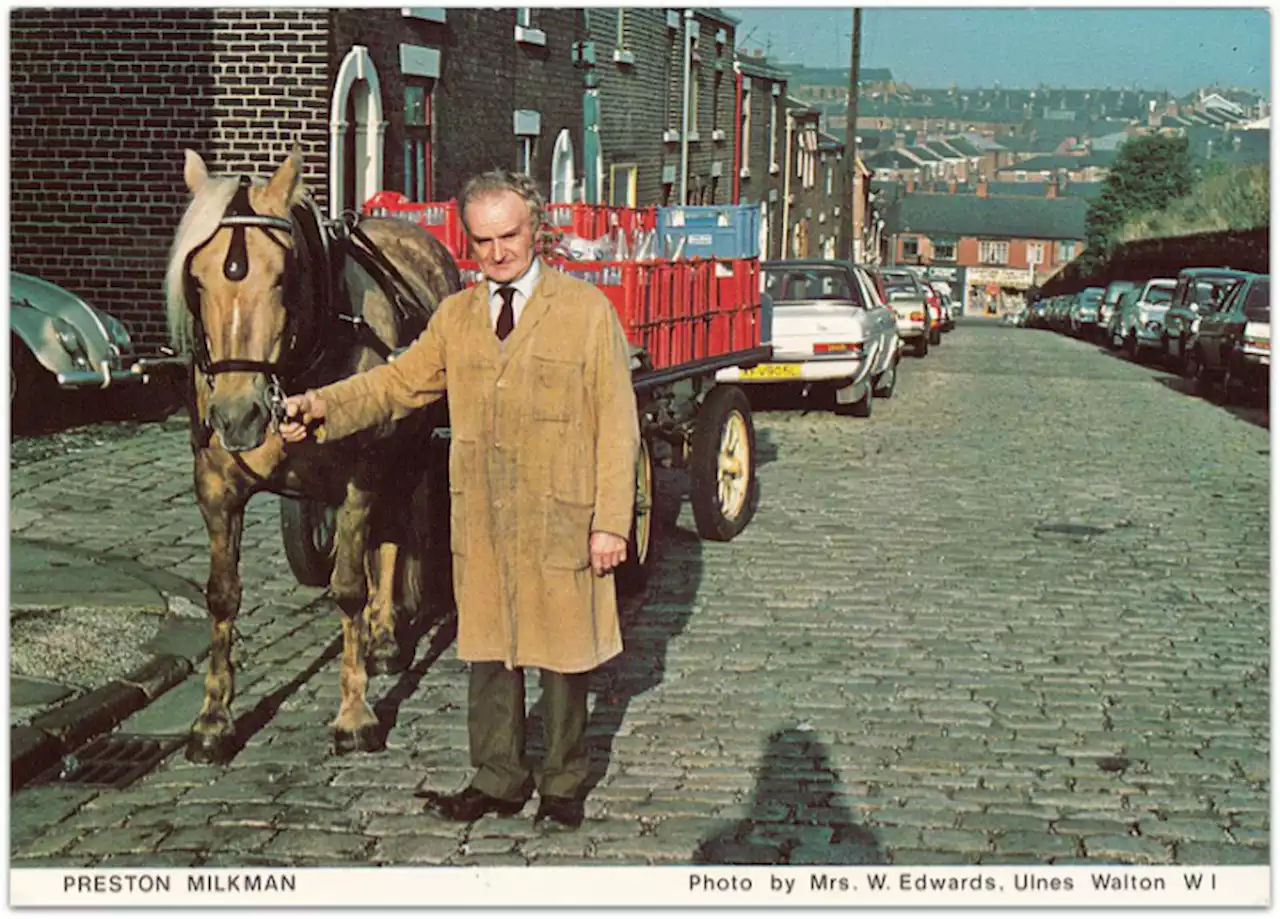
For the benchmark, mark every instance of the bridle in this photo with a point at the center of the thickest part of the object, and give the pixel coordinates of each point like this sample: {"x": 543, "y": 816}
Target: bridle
{"x": 320, "y": 329}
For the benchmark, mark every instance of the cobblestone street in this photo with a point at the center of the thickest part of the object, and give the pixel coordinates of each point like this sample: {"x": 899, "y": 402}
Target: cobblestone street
{"x": 1020, "y": 615}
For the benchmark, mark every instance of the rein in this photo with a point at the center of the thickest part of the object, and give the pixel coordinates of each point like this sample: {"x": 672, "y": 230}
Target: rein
{"x": 318, "y": 331}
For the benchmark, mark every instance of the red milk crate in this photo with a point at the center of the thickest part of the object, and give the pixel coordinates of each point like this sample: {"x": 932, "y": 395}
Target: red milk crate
{"x": 592, "y": 221}
{"x": 678, "y": 312}
{"x": 439, "y": 218}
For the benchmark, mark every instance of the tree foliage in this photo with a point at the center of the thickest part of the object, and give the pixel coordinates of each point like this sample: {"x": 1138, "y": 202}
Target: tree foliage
{"x": 1226, "y": 197}
{"x": 1149, "y": 172}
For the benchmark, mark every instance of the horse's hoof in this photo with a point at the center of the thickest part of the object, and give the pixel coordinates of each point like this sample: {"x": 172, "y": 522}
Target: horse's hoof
{"x": 210, "y": 748}
{"x": 368, "y": 739}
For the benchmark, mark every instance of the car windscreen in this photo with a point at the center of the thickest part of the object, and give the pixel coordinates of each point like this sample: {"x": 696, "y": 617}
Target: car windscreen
{"x": 789, "y": 285}
{"x": 1160, "y": 295}
{"x": 1091, "y": 298}
{"x": 1257, "y": 303}
{"x": 1209, "y": 291}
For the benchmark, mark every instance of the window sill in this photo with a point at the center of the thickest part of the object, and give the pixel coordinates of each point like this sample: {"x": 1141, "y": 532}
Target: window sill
{"x": 670, "y": 137}
{"x": 774, "y": 169}
{"x": 717, "y": 135}
{"x": 694, "y": 137}
{"x": 527, "y": 35}
{"x": 627, "y": 58}
{"x": 744, "y": 173}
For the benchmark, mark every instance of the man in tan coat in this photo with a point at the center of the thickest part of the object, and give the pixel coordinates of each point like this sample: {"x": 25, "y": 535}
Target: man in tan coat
{"x": 542, "y": 483}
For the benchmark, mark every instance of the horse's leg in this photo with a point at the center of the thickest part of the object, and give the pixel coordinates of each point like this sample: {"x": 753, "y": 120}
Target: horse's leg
{"x": 222, "y": 506}
{"x": 356, "y": 726}
{"x": 384, "y": 651}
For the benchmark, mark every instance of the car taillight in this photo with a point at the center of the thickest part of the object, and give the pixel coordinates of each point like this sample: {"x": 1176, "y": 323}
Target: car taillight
{"x": 1261, "y": 343}
{"x": 851, "y": 347}
{"x": 917, "y": 317}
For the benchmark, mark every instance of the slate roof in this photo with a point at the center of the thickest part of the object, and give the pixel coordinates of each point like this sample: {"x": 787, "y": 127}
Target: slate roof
{"x": 1062, "y": 161}
{"x": 970, "y": 215}
{"x": 923, "y": 154}
{"x": 1034, "y": 189}
{"x": 891, "y": 159}
{"x": 836, "y": 76}
{"x": 963, "y": 145}
{"x": 944, "y": 150}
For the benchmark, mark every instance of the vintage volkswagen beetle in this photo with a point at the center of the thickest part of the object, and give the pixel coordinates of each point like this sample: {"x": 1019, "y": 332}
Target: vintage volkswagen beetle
{"x": 58, "y": 341}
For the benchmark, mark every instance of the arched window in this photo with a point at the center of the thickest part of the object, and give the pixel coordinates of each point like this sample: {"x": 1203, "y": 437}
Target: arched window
{"x": 562, "y": 171}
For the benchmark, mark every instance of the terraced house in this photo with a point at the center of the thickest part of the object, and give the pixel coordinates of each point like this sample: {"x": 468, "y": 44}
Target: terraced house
{"x": 994, "y": 247}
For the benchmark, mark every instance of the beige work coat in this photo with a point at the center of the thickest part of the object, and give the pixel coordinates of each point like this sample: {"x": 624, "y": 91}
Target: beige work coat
{"x": 544, "y": 448}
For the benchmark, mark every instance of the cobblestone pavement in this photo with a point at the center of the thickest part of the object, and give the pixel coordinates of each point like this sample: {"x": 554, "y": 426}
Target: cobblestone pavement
{"x": 1018, "y": 616}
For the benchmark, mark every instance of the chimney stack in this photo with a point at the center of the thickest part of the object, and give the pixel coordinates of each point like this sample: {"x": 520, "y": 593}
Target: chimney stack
{"x": 951, "y": 186}
{"x": 911, "y": 182}
{"x": 983, "y": 190}
{"x": 1051, "y": 190}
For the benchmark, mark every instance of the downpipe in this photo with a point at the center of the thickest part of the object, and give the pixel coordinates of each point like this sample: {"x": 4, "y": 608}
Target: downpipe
{"x": 684, "y": 113}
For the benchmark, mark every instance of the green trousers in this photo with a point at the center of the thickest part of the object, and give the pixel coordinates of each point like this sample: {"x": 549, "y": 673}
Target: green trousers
{"x": 496, "y": 730}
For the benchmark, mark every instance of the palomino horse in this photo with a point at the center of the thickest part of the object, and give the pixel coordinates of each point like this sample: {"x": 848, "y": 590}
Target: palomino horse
{"x": 266, "y": 297}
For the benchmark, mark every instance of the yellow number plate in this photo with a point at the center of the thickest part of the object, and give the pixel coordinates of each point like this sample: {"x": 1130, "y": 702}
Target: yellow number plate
{"x": 772, "y": 372}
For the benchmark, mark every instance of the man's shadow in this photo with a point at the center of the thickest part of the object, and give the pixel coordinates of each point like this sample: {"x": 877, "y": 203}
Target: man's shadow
{"x": 798, "y": 814}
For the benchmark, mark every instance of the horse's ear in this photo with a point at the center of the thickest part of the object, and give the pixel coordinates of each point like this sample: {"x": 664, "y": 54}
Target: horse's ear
{"x": 285, "y": 188}
{"x": 195, "y": 172}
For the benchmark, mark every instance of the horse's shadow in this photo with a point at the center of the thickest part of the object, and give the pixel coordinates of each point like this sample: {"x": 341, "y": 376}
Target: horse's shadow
{"x": 798, "y": 813}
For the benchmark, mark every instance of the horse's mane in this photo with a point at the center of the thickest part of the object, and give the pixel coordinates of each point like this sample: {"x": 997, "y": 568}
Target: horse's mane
{"x": 198, "y": 223}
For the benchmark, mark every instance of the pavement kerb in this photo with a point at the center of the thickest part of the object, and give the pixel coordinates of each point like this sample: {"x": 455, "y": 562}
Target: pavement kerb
{"x": 180, "y": 644}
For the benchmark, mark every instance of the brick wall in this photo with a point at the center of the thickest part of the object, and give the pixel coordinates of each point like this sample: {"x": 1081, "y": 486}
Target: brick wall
{"x": 636, "y": 100}
{"x": 103, "y": 102}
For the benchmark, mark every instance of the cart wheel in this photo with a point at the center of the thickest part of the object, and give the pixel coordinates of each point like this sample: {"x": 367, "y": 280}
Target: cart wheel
{"x": 722, "y": 465}
{"x": 33, "y": 391}
{"x": 634, "y": 572}
{"x": 308, "y": 528}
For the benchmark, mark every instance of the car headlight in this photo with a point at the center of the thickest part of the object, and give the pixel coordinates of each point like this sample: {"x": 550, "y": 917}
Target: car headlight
{"x": 116, "y": 330}
{"x": 70, "y": 340}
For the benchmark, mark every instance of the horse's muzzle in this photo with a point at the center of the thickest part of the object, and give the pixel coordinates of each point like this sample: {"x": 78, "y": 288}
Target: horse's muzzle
{"x": 241, "y": 425}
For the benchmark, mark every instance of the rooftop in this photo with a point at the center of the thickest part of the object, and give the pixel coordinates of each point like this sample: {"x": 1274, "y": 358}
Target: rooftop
{"x": 970, "y": 215}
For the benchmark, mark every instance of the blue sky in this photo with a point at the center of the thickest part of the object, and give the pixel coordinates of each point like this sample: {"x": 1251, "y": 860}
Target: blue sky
{"x": 1175, "y": 49}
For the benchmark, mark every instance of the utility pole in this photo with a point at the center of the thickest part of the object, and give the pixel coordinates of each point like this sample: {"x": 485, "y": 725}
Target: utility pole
{"x": 851, "y": 246}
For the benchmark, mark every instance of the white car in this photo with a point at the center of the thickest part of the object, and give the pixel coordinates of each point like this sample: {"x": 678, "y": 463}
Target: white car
{"x": 909, "y": 302}
{"x": 829, "y": 327}
{"x": 1138, "y": 322}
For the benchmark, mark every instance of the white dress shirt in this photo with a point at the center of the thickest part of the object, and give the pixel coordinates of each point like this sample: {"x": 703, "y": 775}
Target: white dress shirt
{"x": 524, "y": 290}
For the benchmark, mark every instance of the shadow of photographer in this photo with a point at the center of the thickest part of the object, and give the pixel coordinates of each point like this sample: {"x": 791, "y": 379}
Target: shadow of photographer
{"x": 799, "y": 813}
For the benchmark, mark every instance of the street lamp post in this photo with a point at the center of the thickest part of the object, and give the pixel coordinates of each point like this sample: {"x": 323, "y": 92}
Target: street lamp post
{"x": 849, "y": 241}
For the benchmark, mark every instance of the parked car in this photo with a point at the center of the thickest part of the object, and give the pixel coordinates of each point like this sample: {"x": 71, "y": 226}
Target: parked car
{"x": 1232, "y": 345}
{"x": 1110, "y": 306}
{"x": 1198, "y": 291}
{"x": 1138, "y": 323}
{"x": 830, "y": 327}
{"x": 1036, "y": 315}
{"x": 58, "y": 341}
{"x": 945, "y": 320}
{"x": 1083, "y": 312}
{"x": 906, "y": 298}
{"x": 934, "y": 302}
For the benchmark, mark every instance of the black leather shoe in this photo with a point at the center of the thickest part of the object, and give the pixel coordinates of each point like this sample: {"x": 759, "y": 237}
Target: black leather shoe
{"x": 558, "y": 813}
{"x": 470, "y": 804}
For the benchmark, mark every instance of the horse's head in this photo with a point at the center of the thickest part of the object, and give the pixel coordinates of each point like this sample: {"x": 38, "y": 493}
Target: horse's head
{"x": 228, "y": 278}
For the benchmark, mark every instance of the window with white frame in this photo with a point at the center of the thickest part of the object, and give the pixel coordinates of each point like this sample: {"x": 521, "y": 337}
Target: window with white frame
{"x": 910, "y": 247}
{"x": 622, "y": 30}
{"x": 745, "y": 127}
{"x": 1066, "y": 251}
{"x": 993, "y": 252}
{"x": 622, "y": 184}
{"x": 524, "y": 154}
{"x": 418, "y": 184}
{"x": 715, "y": 102}
{"x": 944, "y": 250}
{"x": 831, "y": 172}
{"x": 774, "y": 105}
{"x": 1035, "y": 253}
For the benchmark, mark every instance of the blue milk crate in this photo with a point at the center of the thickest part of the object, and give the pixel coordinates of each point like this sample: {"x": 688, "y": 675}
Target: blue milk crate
{"x": 710, "y": 231}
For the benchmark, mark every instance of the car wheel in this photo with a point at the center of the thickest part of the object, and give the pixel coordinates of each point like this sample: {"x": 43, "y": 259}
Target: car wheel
{"x": 860, "y": 408}
{"x": 886, "y": 382}
{"x": 922, "y": 346}
{"x": 1194, "y": 368}
{"x": 935, "y": 336}
{"x": 31, "y": 387}
{"x": 1230, "y": 384}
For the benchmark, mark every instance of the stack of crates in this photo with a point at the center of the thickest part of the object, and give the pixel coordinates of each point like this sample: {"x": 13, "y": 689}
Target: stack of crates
{"x": 439, "y": 218}
{"x": 729, "y": 231}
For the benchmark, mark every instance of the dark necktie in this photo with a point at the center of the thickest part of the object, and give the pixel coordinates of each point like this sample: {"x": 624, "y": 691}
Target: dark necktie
{"x": 506, "y": 315}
